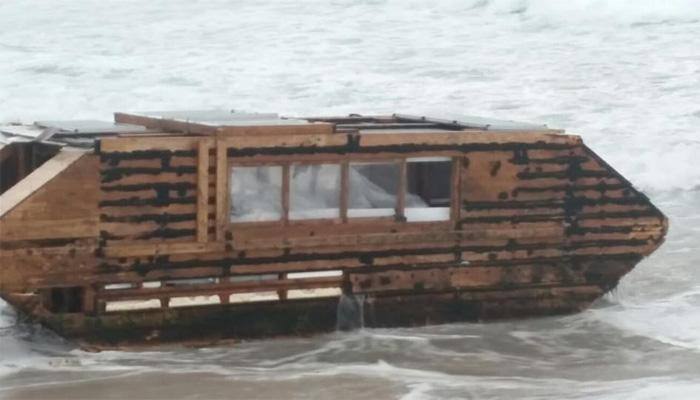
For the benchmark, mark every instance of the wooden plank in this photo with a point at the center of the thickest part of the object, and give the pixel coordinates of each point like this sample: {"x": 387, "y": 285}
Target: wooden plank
{"x": 466, "y": 277}
{"x": 140, "y": 179}
{"x": 262, "y": 141}
{"x": 222, "y": 191}
{"x": 401, "y": 198}
{"x": 164, "y": 124}
{"x": 38, "y": 178}
{"x": 455, "y": 188}
{"x": 329, "y": 158}
{"x": 467, "y": 137}
{"x": 344, "y": 190}
{"x": 143, "y": 143}
{"x": 285, "y": 193}
{"x": 60, "y": 228}
{"x": 203, "y": 191}
{"x": 314, "y": 128}
{"x": 134, "y": 230}
{"x": 232, "y": 287}
{"x": 155, "y": 162}
{"x": 154, "y": 249}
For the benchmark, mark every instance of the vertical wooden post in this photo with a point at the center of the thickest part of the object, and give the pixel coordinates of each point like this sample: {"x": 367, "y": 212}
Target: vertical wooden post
{"x": 89, "y": 300}
{"x": 285, "y": 193}
{"x": 344, "y": 190}
{"x": 282, "y": 293}
{"x": 222, "y": 191}
{"x": 203, "y": 190}
{"x": 455, "y": 189}
{"x": 401, "y": 195}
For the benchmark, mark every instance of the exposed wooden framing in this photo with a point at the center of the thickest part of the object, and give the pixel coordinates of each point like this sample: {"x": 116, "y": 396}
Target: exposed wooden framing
{"x": 285, "y": 193}
{"x": 222, "y": 191}
{"x": 195, "y": 290}
{"x": 165, "y": 124}
{"x": 145, "y": 142}
{"x": 471, "y": 137}
{"x": 43, "y": 229}
{"x": 401, "y": 195}
{"x": 203, "y": 190}
{"x": 316, "y": 128}
{"x": 257, "y": 141}
{"x": 455, "y": 188}
{"x": 38, "y": 178}
{"x": 344, "y": 190}
{"x": 154, "y": 249}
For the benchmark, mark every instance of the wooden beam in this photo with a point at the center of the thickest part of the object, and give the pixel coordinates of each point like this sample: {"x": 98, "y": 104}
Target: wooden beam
{"x": 39, "y": 177}
{"x": 222, "y": 191}
{"x": 455, "y": 189}
{"x": 285, "y": 193}
{"x": 467, "y": 137}
{"x": 314, "y": 128}
{"x": 203, "y": 190}
{"x": 143, "y": 142}
{"x": 165, "y": 124}
{"x": 154, "y": 249}
{"x": 209, "y": 289}
{"x": 401, "y": 196}
{"x": 344, "y": 190}
{"x": 262, "y": 141}
{"x": 55, "y": 229}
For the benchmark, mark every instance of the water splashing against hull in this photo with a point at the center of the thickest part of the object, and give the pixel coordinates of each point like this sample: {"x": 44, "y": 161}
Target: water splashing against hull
{"x": 351, "y": 313}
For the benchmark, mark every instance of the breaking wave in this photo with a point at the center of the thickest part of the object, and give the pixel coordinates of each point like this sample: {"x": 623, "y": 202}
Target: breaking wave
{"x": 628, "y": 12}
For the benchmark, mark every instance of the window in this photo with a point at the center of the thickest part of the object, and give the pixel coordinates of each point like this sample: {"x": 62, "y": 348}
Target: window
{"x": 415, "y": 190}
{"x": 256, "y": 194}
{"x": 373, "y": 189}
{"x": 314, "y": 191}
{"x": 428, "y": 181}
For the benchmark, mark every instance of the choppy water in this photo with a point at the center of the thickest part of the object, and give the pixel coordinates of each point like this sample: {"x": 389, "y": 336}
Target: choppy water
{"x": 624, "y": 74}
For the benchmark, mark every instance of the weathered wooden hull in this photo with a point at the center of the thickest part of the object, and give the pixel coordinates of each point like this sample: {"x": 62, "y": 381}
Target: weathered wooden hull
{"x": 214, "y": 323}
{"x": 539, "y": 225}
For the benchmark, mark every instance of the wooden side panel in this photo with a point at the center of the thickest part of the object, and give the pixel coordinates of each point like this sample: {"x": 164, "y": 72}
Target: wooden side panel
{"x": 149, "y": 194}
{"x": 52, "y": 234}
{"x": 542, "y": 197}
{"x": 598, "y": 210}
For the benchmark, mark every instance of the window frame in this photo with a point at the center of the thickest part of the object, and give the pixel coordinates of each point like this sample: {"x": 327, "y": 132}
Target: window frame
{"x": 344, "y": 163}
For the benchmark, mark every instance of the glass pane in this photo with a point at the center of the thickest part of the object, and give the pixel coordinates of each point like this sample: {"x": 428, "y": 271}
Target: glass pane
{"x": 256, "y": 194}
{"x": 428, "y": 184}
{"x": 314, "y": 191}
{"x": 373, "y": 189}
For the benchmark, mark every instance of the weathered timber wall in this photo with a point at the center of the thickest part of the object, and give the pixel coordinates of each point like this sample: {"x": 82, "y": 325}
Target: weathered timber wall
{"x": 148, "y": 195}
{"x": 531, "y": 210}
{"x": 50, "y": 234}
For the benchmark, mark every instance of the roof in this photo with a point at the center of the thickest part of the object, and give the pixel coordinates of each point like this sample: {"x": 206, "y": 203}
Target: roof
{"x": 83, "y": 133}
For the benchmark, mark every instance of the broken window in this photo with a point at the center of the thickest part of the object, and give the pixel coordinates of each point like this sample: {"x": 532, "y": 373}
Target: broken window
{"x": 256, "y": 194}
{"x": 373, "y": 189}
{"x": 428, "y": 181}
{"x": 314, "y": 191}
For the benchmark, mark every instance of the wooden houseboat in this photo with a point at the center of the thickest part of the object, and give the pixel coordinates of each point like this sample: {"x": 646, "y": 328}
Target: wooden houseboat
{"x": 174, "y": 226}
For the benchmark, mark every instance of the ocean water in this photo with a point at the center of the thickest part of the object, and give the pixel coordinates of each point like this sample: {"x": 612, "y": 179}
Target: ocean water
{"x": 623, "y": 74}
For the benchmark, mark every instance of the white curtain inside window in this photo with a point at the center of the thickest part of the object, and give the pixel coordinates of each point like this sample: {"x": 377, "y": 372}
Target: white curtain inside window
{"x": 256, "y": 194}
{"x": 314, "y": 191}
